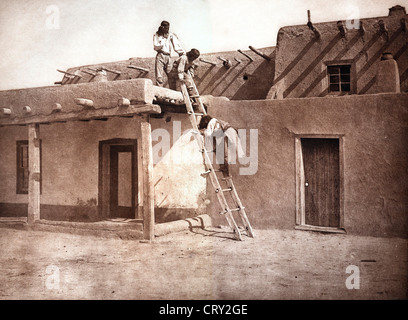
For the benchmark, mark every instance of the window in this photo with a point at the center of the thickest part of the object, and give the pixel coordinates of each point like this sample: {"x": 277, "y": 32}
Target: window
{"x": 22, "y": 167}
{"x": 339, "y": 78}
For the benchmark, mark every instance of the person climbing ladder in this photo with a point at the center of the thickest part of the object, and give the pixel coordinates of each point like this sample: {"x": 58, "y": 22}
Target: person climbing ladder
{"x": 212, "y": 129}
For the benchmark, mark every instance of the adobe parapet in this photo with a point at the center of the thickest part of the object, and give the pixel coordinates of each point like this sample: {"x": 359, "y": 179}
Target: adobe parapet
{"x": 82, "y": 101}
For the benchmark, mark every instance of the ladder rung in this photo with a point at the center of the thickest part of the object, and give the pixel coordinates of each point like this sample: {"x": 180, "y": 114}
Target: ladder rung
{"x": 232, "y": 210}
{"x": 195, "y": 113}
{"x": 225, "y": 190}
{"x": 207, "y": 172}
{"x": 237, "y": 209}
{"x": 208, "y": 151}
{"x": 194, "y": 96}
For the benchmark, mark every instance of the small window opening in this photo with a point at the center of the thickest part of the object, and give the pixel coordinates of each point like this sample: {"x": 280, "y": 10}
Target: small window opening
{"x": 339, "y": 78}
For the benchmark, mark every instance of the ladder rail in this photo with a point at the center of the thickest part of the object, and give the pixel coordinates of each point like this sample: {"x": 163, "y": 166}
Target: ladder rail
{"x": 207, "y": 162}
{"x": 242, "y": 212}
{"x": 200, "y": 102}
{"x": 226, "y": 210}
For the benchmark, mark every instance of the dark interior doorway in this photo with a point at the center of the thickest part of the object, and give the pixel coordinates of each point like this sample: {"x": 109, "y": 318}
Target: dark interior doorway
{"x": 118, "y": 179}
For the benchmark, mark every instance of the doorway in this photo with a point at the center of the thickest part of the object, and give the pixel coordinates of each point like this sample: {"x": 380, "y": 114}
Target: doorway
{"x": 319, "y": 183}
{"x": 118, "y": 181}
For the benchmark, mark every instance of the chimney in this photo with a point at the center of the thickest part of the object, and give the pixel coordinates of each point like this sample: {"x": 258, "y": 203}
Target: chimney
{"x": 387, "y": 78}
{"x": 396, "y": 11}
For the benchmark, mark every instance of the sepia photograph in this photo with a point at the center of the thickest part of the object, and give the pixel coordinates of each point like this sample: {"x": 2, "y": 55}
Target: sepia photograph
{"x": 223, "y": 152}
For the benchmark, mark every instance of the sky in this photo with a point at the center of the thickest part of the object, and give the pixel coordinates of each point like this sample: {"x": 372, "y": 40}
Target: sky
{"x": 39, "y": 36}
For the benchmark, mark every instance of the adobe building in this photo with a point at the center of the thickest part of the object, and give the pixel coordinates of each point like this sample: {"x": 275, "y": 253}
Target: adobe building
{"x": 337, "y": 58}
{"x": 324, "y": 115}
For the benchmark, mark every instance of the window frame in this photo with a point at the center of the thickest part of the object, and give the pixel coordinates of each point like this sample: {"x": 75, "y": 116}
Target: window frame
{"x": 352, "y": 82}
{"x": 20, "y": 188}
{"x": 339, "y": 73}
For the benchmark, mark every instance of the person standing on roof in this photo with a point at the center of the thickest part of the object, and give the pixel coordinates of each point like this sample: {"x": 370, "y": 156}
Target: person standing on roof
{"x": 163, "y": 42}
{"x": 183, "y": 69}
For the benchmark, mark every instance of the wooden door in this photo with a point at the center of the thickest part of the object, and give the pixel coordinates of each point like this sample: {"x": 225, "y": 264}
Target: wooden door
{"x": 321, "y": 181}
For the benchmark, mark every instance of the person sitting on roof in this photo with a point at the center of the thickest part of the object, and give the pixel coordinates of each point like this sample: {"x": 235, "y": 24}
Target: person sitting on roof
{"x": 183, "y": 70}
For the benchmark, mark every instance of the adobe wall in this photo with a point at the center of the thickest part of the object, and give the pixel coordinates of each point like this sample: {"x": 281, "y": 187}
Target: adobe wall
{"x": 246, "y": 79}
{"x": 375, "y": 129}
{"x": 70, "y": 158}
{"x": 300, "y": 69}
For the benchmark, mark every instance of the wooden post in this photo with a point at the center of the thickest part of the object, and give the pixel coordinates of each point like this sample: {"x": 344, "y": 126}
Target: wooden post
{"x": 34, "y": 173}
{"x": 148, "y": 187}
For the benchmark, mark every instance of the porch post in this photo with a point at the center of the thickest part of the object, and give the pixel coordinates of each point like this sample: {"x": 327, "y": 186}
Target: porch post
{"x": 148, "y": 188}
{"x": 33, "y": 173}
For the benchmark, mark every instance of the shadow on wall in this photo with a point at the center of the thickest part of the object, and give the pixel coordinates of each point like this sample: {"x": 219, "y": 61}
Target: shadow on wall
{"x": 302, "y": 60}
{"x": 257, "y": 84}
{"x": 245, "y": 79}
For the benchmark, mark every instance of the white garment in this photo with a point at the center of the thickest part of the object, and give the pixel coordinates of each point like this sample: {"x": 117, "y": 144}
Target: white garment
{"x": 163, "y": 44}
{"x": 212, "y": 127}
{"x": 234, "y": 143}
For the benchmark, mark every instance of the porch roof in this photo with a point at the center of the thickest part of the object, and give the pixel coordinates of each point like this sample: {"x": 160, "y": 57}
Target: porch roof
{"x": 84, "y": 101}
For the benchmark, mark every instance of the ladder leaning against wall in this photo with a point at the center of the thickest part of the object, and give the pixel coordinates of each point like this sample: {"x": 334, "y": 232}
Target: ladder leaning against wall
{"x": 191, "y": 99}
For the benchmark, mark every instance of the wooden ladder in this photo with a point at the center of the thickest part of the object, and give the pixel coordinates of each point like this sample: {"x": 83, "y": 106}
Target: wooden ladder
{"x": 191, "y": 96}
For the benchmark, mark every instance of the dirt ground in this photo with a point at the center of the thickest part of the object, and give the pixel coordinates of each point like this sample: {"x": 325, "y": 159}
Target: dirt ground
{"x": 202, "y": 264}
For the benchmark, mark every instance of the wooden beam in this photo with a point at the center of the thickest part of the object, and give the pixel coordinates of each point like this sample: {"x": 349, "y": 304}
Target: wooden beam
{"x": 161, "y": 93}
{"x": 84, "y": 102}
{"x": 148, "y": 187}
{"x": 56, "y": 107}
{"x": 86, "y": 114}
{"x": 6, "y": 111}
{"x": 209, "y": 62}
{"x": 34, "y": 173}
{"x": 123, "y": 102}
{"x": 260, "y": 53}
{"x": 27, "y": 109}
{"x": 138, "y": 68}
{"x": 112, "y": 71}
{"x": 243, "y": 53}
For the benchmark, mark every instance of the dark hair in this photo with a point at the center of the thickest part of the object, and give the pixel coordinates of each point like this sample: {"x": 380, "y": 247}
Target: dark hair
{"x": 204, "y": 122}
{"x": 193, "y": 54}
{"x": 165, "y": 23}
